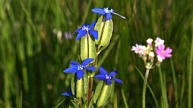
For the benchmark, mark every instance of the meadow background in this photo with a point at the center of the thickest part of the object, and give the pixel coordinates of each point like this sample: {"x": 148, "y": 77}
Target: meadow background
{"x": 34, "y": 50}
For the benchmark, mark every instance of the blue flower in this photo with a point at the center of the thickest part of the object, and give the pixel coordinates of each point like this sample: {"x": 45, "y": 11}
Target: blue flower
{"x": 79, "y": 68}
{"x": 68, "y": 93}
{"x": 108, "y": 78}
{"x": 106, "y": 12}
{"x": 87, "y": 29}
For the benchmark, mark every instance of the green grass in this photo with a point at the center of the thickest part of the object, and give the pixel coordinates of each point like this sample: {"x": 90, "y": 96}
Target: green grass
{"x": 32, "y": 58}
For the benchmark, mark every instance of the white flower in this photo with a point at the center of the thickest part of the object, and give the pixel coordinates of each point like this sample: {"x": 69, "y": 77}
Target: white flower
{"x": 151, "y": 54}
{"x": 139, "y": 49}
{"x": 158, "y": 42}
{"x": 149, "y": 41}
{"x": 160, "y": 59}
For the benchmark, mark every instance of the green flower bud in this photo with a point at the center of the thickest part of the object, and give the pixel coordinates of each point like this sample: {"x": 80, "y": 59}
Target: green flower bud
{"x": 87, "y": 48}
{"x": 104, "y": 94}
{"x": 105, "y": 30}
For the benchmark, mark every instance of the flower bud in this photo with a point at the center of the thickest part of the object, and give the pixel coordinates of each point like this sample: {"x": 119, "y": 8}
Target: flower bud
{"x": 104, "y": 95}
{"x": 105, "y": 30}
{"x": 87, "y": 48}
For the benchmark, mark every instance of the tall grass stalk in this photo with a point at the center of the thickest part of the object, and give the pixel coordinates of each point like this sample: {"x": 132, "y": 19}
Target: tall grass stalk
{"x": 175, "y": 84}
{"x": 124, "y": 99}
{"x": 164, "y": 100}
{"x": 190, "y": 70}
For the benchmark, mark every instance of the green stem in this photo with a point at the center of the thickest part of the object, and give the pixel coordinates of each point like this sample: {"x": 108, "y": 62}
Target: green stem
{"x": 80, "y": 102}
{"x": 144, "y": 88}
{"x": 150, "y": 90}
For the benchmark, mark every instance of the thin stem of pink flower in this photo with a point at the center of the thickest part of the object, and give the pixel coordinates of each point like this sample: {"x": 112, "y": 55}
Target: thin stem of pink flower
{"x": 145, "y": 87}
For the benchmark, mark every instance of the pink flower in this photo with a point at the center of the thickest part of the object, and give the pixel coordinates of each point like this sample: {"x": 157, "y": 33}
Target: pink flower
{"x": 163, "y": 53}
{"x": 139, "y": 49}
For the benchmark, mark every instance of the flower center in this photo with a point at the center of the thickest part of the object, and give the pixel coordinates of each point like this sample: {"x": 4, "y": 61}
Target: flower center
{"x": 86, "y": 27}
{"x": 108, "y": 77}
{"x": 80, "y": 67}
{"x": 107, "y": 10}
{"x": 163, "y": 52}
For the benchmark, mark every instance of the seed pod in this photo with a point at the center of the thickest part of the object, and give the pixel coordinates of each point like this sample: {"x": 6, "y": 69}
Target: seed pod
{"x": 87, "y": 48}
{"x": 105, "y": 30}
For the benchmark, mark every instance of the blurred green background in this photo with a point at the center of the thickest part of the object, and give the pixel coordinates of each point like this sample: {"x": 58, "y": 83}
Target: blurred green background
{"x": 36, "y": 45}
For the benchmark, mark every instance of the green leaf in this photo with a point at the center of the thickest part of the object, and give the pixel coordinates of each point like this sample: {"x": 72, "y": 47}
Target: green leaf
{"x": 73, "y": 84}
{"x": 105, "y": 94}
{"x": 105, "y": 30}
{"x": 97, "y": 91}
{"x": 87, "y": 47}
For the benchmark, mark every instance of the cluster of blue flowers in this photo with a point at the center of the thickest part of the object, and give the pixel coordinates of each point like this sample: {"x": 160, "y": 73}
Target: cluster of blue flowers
{"x": 77, "y": 68}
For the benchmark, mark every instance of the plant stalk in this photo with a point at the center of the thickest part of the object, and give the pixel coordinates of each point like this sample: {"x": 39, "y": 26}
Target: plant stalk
{"x": 145, "y": 87}
{"x": 89, "y": 90}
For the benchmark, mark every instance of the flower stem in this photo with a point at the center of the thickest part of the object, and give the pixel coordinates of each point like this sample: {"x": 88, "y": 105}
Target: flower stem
{"x": 80, "y": 102}
{"x": 144, "y": 88}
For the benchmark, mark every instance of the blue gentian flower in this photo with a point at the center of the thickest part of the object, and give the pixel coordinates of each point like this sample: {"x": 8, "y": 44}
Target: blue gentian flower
{"x": 68, "y": 93}
{"x": 106, "y": 12}
{"x": 79, "y": 68}
{"x": 107, "y": 77}
{"x": 87, "y": 29}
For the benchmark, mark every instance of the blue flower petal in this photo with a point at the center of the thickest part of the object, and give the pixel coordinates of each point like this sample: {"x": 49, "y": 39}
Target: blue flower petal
{"x": 81, "y": 34}
{"x": 74, "y": 63}
{"x": 92, "y": 25}
{"x": 87, "y": 61}
{"x": 65, "y": 94}
{"x": 108, "y": 16}
{"x": 78, "y": 30}
{"x": 90, "y": 68}
{"x": 99, "y": 11}
{"x": 94, "y": 33}
{"x": 101, "y": 77}
{"x": 113, "y": 73}
{"x": 68, "y": 93}
{"x": 80, "y": 74}
{"x": 117, "y": 80}
{"x": 109, "y": 81}
{"x": 70, "y": 70}
{"x": 103, "y": 71}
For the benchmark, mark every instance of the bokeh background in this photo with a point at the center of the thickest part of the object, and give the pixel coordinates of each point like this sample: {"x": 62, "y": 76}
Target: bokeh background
{"x": 37, "y": 43}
